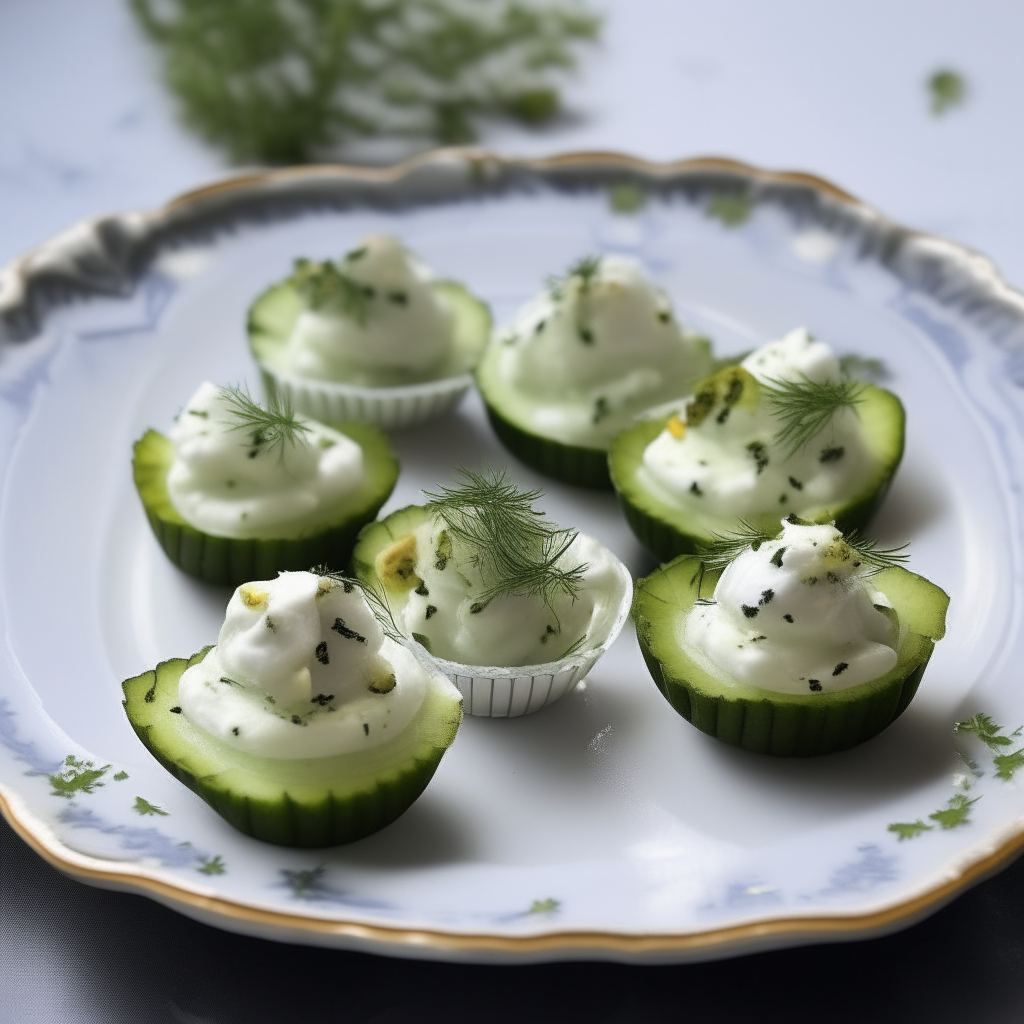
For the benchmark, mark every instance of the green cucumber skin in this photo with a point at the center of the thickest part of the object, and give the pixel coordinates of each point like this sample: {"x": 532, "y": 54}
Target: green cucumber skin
{"x": 572, "y": 464}
{"x": 777, "y": 724}
{"x": 297, "y": 818}
{"x": 273, "y": 314}
{"x": 228, "y": 561}
{"x": 668, "y": 532}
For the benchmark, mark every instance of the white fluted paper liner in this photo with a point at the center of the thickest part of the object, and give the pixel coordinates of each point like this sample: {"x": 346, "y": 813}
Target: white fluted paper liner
{"x": 388, "y": 407}
{"x": 496, "y": 692}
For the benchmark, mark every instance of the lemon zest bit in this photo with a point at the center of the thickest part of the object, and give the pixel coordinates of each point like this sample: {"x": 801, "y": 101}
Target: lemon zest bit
{"x": 676, "y": 427}
{"x": 252, "y": 596}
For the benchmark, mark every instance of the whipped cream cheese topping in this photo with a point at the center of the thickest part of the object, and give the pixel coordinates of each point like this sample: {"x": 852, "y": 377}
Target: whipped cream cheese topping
{"x": 795, "y": 616}
{"x": 302, "y": 669}
{"x": 595, "y": 349}
{"x": 722, "y": 457}
{"x": 227, "y": 480}
{"x": 374, "y": 310}
{"x": 509, "y": 630}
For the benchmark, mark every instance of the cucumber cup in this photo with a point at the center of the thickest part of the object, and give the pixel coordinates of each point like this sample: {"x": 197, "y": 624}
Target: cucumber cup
{"x": 302, "y": 801}
{"x": 753, "y": 449}
{"x": 372, "y": 338}
{"x": 580, "y": 361}
{"x": 534, "y": 652}
{"x": 217, "y": 554}
{"x": 818, "y": 715}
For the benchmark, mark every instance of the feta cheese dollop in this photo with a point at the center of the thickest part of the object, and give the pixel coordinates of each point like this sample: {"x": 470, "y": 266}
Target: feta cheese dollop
{"x": 585, "y": 356}
{"x": 444, "y": 609}
{"x": 230, "y": 480}
{"x": 795, "y": 616}
{"x": 372, "y": 313}
{"x": 302, "y": 669}
{"x": 723, "y": 457}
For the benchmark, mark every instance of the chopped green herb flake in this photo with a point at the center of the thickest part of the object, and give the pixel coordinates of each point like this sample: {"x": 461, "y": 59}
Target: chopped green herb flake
{"x": 947, "y": 89}
{"x": 120, "y": 776}
{"x": 349, "y": 634}
{"x": 831, "y": 454}
{"x": 146, "y": 809}
{"x": 776, "y": 559}
{"x": 757, "y": 453}
{"x": 909, "y": 829}
{"x": 767, "y": 596}
{"x": 422, "y": 590}
{"x": 626, "y": 198}
{"x": 321, "y": 653}
{"x": 956, "y": 812}
{"x": 366, "y": 729}
{"x": 796, "y": 484}
{"x": 788, "y": 618}
{"x": 212, "y": 866}
{"x": 731, "y": 210}
{"x": 322, "y": 699}
{"x": 176, "y": 710}
{"x": 431, "y": 610}
{"x": 750, "y": 611}
{"x": 398, "y": 298}
{"x": 695, "y": 489}
{"x": 422, "y": 640}
{"x": 840, "y": 668}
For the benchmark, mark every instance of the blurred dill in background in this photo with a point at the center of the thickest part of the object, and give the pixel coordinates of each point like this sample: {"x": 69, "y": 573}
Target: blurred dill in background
{"x": 293, "y": 81}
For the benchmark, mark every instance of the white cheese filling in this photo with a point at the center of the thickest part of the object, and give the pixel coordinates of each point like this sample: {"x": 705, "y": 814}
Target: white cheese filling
{"x": 396, "y": 321}
{"x": 508, "y": 630}
{"x": 302, "y": 669}
{"x": 226, "y": 481}
{"x": 794, "y": 616}
{"x": 731, "y": 463}
{"x": 584, "y": 358}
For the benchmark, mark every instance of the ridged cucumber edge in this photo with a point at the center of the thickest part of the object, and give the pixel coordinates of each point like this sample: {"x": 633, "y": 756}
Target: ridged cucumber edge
{"x": 784, "y": 725}
{"x": 284, "y": 812}
{"x": 668, "y": 532}
{"x": 228, "y": 561}
{"x": 275, "y": 310}
{"x": 571, "y": 464}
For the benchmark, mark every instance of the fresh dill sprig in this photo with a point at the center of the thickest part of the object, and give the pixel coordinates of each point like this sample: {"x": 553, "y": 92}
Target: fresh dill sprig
{"x": 806, "y": 407}
{"x": 290, "y": 81}
{"x": 514, "y": 548}
{"x": 871, "y": 557}
{"x": 377, "y": 600}
{"x": 324, "y": 287}
{"x": 723, "y": 548}
{"x": 273, "y": 427}
{"x": 585, "y": 268}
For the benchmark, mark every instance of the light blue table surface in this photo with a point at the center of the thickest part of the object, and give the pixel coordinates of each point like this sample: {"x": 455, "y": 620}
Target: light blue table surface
{"x": 834, "y": 89}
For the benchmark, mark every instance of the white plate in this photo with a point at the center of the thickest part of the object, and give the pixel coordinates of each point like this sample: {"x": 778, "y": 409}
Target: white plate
{"x": 605, "y": 825}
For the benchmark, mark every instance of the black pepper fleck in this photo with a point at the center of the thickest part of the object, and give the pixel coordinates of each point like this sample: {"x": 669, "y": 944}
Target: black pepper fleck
{"x": 321, "y": 653}
{"x": 788, "y": 618}
{"x": 840, "y": 668}
{"x": 750, "y": 612}
{"x": 176, "y": 710}
{"x": 814, "y": 685}
{"x": 431, "y": 610}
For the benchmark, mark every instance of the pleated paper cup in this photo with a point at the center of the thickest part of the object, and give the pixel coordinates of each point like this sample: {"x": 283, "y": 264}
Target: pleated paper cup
{"x": 497, "y": 692}
{"x": 390, "y": 408}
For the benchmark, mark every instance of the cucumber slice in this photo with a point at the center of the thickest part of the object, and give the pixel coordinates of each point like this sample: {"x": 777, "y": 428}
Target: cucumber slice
{"x": 583, "y": 462}
{"x": 668, "y": 530}
{"x": 389, "y": 398}
{"x": 230, "y": 561}
{"x": 311, "y": 802}
{"x": 780, "y": 723}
